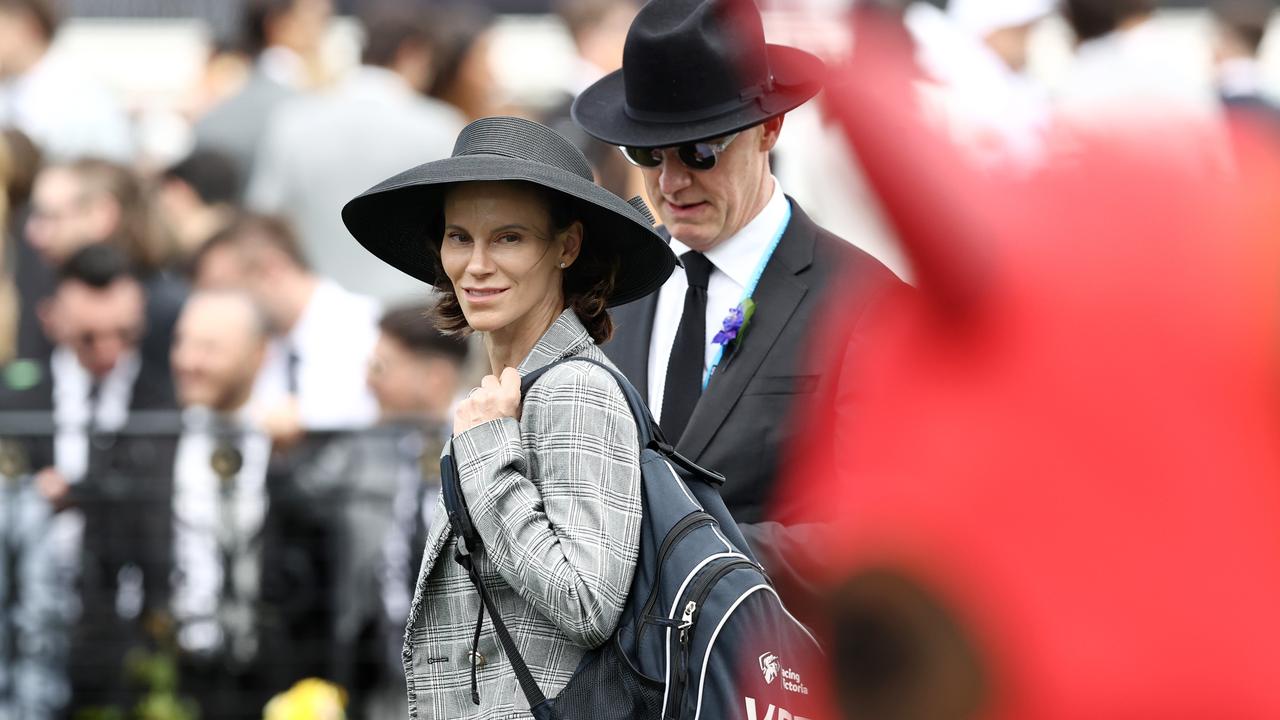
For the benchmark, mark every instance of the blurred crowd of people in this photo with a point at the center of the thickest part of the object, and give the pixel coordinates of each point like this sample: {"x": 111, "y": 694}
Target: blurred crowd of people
{"x": 220, "y": 417}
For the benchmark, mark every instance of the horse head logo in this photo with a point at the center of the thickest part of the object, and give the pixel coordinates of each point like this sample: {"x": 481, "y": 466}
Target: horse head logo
{"x": 769, "y": 667}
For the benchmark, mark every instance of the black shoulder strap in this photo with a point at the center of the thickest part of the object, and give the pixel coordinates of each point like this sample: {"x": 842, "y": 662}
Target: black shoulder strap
{"x": 468, "y": 542}
{"x": 647, "y": 428}
{"x": 645, "y": 424}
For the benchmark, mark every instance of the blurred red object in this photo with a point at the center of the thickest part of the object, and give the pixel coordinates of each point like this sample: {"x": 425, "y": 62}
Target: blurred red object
{"x": 1069, "y": 439}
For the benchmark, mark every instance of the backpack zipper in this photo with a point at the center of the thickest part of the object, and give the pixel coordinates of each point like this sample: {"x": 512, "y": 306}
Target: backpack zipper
{"x": 687, "y": 524}
{"x": 691, "y": 608}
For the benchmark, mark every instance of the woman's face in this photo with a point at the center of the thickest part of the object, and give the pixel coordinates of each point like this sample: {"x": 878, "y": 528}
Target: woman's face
{"x": 503, "y": 257}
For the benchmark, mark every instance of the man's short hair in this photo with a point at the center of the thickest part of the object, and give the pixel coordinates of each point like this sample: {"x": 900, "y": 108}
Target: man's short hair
{"x": 98, "y": 266}
{"x": 258, "y": 14}
{"x": 1247, "y": 20}
{"x": 210, "y": 173}
{"x": 411, "y": 326}
{"x": 388, "y": 31}
{"x": 579, "y": 16}
{"x": 250, "y": 231}
{"x": 42, "y": 11}
{"x": 1094, "y": 18}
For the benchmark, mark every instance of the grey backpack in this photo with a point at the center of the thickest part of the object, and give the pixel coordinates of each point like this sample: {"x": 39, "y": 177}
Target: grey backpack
{"x": 703, "y": 633}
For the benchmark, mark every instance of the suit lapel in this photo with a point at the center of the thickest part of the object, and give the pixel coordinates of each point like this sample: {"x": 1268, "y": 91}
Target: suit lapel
{"x": 629, "y": 348}
{"x": 777, "y": 296}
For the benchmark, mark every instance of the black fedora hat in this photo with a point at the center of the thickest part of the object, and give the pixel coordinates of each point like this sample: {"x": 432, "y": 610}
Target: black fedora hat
{"x": 692, "y": 70}
{"x": 395, "y": 219}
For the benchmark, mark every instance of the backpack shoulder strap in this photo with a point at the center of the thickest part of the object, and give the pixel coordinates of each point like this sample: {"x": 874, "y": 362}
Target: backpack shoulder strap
{"x": 645, "y": 424}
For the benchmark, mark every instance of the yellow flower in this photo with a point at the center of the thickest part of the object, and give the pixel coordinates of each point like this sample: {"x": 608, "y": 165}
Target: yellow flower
{"x": 309, "y": 699}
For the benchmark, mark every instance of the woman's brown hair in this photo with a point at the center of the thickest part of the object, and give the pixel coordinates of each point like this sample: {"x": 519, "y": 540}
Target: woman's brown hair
{"x": 588, "y": 283}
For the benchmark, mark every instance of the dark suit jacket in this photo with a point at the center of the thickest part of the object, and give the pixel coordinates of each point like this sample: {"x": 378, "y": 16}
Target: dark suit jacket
{"x": 741, "y": 425}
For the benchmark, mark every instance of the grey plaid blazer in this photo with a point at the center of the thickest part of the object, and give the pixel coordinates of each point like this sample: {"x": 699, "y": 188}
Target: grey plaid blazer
{"x": 556, "y": 499}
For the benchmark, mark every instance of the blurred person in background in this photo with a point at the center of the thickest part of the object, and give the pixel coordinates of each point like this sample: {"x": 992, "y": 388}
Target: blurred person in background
{"x": 8, "y": 294}
{"x": 58, "y": 105}
{"x": 599, "y": 30}
{"x": 322, "y": 334}
{"x": 977, "y": 52}
{"x": 108, "y": 539}
{"x": 320, "y": 151}
{"x": 383, "y": 485}
{"x": 220, "y": 503}
{"x": 284, "y": 38}
{"x": 92, "y": 201}
{"x": 195, "y": 198}
{"x": 416, "y": 374}
{"x": 1240, "y": 27}
{"x": 703, "y": 142}
{"x": 1129, "y": 76}
{"x": 31, "y": 685}
{"x": 463, "y": 76}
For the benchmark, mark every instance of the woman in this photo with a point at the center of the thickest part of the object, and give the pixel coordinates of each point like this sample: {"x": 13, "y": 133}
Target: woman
{"x": 527, "y": 251}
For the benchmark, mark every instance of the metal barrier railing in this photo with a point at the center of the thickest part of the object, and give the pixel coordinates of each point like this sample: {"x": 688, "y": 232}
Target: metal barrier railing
{"x": 303, "y": 556}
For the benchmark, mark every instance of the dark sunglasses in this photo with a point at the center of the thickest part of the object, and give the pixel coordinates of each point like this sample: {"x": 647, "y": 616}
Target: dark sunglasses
{"x": 695, "y": 156}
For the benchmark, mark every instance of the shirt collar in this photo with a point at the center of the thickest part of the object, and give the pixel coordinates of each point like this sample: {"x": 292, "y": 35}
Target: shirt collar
{"x": 739, "y": 256}
{"x": 565, "y": 337}
{"x": 283, "y": 66}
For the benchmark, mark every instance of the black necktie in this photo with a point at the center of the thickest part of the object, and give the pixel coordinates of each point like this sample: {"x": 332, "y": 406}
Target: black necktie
{"x": 688, "y": 354}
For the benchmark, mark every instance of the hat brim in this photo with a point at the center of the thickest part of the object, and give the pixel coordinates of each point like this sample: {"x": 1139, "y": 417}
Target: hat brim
{"x": 395, "y": 219}
{"x": 601, "y": 108}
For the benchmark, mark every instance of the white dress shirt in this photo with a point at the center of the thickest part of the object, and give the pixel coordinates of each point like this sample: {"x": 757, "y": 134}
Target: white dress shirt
{"x": 736, "y": 261}
{"x": 71, "y": 406}
{"x": 204, "y": 521}
{"x": 333, "y": 341}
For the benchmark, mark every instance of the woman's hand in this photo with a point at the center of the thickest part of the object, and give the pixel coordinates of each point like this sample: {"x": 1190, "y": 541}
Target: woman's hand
{"x": 495, "y": 398}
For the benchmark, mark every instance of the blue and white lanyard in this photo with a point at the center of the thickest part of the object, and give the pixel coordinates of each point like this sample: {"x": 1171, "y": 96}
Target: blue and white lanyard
{"x": 751, "y": 288}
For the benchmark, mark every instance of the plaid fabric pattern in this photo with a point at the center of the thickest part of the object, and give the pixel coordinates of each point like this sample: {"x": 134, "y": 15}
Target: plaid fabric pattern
{"x": 556, "y": 498}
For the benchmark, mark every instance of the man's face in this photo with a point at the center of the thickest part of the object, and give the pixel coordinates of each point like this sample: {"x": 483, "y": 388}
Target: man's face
{"x": 704, "y": 208}
{"x": 100, "y": 325}
{"x": 61, "y": 219}
{"x": 17, "y": 33}
{"x": 407, "y": 384}
{"x": 217, "y": 351}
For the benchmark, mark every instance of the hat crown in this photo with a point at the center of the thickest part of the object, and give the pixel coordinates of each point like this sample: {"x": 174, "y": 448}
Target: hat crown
{"x": 689, "y": 59}
{"x": 521, "y": 139}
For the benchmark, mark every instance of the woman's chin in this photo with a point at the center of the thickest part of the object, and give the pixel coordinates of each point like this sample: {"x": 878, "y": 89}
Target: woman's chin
{"x": 484, "y": 321}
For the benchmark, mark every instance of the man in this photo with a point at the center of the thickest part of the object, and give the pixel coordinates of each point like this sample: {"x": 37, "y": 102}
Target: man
{"x": 599, "y": 30}
{"x": 385, "y": 483}
{"x": 196, "y": 197}
{"x": 284, "y": 37}
{"x": 111, "y": 535}
{"x": 1241, "y": 26}
{"x": 312, "y": 378}
{"x": 1128, "y": 76}
{"x": 703, "y": 140}
{"x": 977, "y": 53}
{"x": 64, "y": 112}
{"x": 220, "y": 501}
{"x": 320, "y": 151}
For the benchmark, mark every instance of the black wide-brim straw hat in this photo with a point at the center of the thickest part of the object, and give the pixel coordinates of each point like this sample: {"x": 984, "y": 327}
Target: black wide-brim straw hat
{"x": 693, "y": 70}
{"x": 400, "y": 219}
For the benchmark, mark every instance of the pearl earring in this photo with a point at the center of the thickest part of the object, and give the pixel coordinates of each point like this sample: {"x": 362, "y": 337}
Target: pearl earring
{"x": 563, "y": 266}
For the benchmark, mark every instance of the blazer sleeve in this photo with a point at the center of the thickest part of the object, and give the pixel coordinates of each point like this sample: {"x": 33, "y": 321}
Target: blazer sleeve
{"x": 559, "y": 513}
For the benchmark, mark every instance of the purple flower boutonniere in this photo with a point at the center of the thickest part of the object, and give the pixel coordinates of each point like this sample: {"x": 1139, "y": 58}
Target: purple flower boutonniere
{"x": 735, "y": 327}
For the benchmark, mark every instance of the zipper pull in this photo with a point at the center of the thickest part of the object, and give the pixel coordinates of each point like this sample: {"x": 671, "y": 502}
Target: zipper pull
{"x": 686, "y": 620}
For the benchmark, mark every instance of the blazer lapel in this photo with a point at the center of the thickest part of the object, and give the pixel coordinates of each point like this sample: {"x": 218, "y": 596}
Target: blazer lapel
{"x": 777, "y": 296}
{"x": 629, "y": 348}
